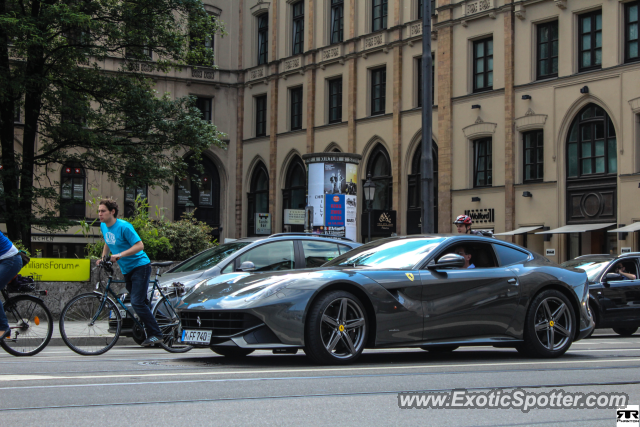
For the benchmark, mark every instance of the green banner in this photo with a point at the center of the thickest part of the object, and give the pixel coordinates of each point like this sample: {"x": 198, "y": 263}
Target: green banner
{"x": 58, "y": 270}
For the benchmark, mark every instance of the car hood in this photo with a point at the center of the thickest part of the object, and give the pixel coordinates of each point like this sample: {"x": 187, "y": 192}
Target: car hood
{"x": 189, "y": 278}
{"x": 236, "y": 290}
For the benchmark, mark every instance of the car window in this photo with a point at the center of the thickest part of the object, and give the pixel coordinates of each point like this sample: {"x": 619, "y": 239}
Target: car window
{"x": 593, "y": 267}
{"x": 509, "y": 256}
{"x": 626, "y": 269}
{"x": 209, "y": 258}
{"x": 271, "y": 256}
{"x": 396, "y": 254}
{"x": 228, "y": 268}
{"x": 481, "y": 254}
{"x": 344, "y": 249}
{"x": 317, "y": 253}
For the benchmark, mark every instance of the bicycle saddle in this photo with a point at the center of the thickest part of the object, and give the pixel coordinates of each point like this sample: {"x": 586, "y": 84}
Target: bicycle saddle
{"x": 162, "y": 264}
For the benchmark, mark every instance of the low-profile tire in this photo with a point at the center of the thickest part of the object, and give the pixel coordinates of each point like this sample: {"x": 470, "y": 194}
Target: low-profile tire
{"x": 550, "y": 325}
{"x": 232, "y": 351}
{"x": 336, "y": 329}
{"x": 592, "y": 310}
{"x": 625, "y": 332}
{"x": 442, "y": 349}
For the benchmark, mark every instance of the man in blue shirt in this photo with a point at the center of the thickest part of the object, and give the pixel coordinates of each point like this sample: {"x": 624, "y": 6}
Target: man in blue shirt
{"x": 128, "y": 250}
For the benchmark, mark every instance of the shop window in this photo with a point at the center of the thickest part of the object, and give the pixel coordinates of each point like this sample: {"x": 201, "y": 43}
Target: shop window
{"x": 379, "y": 166}
{"x": 294, "y": 195}
{"x": 72, "y": 192}
{"x": 414, "y": 197}
{"x": 258, "y": 196}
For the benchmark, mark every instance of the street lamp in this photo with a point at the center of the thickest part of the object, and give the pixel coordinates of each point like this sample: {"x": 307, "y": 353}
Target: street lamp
{"x": 369, "y": 195}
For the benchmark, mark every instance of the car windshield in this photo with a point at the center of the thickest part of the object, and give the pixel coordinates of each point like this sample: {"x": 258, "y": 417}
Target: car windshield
{"x": 210, "y": 257}
{"x": 400, "y": 253}
{"x": 593, "y": 267}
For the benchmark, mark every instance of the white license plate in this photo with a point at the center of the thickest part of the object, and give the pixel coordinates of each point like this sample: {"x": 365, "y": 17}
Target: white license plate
{"x": 196, "y": 337}
{"x": 123, "y": 314}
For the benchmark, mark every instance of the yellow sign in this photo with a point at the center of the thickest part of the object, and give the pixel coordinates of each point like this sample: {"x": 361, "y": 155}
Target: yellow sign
{"x": 58, "y": 270}
{"x": 410, "y": 276}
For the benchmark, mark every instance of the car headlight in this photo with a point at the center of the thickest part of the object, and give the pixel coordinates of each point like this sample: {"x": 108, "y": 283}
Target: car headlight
{"x": 269, "y": 290}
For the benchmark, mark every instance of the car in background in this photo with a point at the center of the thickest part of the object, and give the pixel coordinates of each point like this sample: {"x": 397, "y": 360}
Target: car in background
{"x": 277, "y": 252}
{"x": 614, "y": 295}
{"x": 408, "y": 291}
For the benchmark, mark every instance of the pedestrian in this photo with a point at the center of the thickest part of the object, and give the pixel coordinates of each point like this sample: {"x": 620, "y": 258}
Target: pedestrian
{"x": 128, "y": 250}
{"x": 10, "y": 266}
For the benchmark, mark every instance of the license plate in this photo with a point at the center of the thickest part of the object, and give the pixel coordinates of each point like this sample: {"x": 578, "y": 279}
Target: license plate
{"x": 196, "y": 337}
{"x": 123, "y": 314}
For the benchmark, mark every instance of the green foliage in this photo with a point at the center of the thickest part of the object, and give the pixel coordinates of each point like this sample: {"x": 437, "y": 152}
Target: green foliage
{"x": 52, "y": 55}
{"x": 162, "y": 239}
{"x": 18, "y": 244}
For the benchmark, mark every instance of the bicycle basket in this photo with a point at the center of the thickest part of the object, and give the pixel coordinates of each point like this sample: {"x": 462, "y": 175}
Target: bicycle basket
{"x": 21, "y": 284}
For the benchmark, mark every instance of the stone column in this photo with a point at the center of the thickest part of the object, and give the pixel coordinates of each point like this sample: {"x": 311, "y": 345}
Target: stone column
{"x": 509, "y": 123}
{"x": 352, "y": 90}
{"x": 239, "y": 128}
{"x": 273, "y": 122}
{"x": 396, "y": 156}
{"x": 311, "y": 80}
{"x": 444, "y": 69}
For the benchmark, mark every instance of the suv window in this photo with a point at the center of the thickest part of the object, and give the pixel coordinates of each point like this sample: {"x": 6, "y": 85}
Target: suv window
{"x": 510, "y": 256}
{"x": 626, "y": 269}
{"x": 271, "y": 256}
{"x": 317, "y": 253}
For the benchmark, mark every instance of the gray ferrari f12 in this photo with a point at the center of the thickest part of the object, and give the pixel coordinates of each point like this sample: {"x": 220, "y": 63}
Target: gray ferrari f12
{"x": 433, "y": 292}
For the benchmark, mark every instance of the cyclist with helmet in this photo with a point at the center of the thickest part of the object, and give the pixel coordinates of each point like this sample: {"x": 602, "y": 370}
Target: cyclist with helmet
{"x": 463, "y": 222}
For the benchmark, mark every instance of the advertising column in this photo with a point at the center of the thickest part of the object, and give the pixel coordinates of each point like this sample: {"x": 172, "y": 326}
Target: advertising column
{"x": 332, "y": 190}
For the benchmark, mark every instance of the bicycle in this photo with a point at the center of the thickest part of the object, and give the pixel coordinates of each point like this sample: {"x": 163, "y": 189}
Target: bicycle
{"x": 30, "y": 320}
{"x": 90, "y": 324}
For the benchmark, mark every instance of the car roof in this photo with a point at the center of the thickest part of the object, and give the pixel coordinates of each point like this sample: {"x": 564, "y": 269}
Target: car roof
{"x": 301, "y": 236}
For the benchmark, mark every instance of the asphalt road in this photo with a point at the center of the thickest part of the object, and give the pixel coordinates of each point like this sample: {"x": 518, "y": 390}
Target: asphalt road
{"x": 130, "y": 385}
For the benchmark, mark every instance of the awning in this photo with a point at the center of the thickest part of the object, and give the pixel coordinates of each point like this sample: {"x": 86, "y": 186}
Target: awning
{"x": 521, "y": 230}
{"x": 627, "y": 229}
{"x": 577, "y": 228}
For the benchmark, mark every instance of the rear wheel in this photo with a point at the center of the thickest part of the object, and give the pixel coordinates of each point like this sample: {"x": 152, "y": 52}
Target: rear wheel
{"x": 336, "y": 330}
{"x": 625, "y": 332}
{"x": 442, "y": 349}
{"x": 549, "y": 326}
{"x": 31, "y": 325}
{"x": 169, "y": 323}
{"x": 232, "y": 351}
{"x": 90, "y": 324}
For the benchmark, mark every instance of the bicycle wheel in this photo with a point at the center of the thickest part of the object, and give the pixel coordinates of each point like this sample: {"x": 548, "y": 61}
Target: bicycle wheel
{"x": 169, "y": 323}
{"x": 87, "y": 329}
{"x": 31, "y": 325}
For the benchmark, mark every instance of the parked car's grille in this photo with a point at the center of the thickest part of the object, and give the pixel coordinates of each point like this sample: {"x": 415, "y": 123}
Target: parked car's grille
{"x": 223, "y": 323}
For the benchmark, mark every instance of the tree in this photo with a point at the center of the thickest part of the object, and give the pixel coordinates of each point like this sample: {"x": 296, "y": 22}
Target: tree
{"x": 77, "y": 111}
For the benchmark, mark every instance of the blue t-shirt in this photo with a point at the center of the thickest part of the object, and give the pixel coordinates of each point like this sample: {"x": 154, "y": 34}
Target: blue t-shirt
{"x": 5, "y": 244}
{"x": 120, "y": 237}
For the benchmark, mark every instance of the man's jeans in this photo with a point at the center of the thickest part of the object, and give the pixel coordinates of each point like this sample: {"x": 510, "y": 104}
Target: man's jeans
{"x": 8, "y": 269}
{"x": 137, "y": 284}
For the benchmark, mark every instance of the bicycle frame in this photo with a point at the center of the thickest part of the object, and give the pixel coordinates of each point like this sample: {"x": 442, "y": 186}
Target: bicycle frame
{"x": 108, "y": 291}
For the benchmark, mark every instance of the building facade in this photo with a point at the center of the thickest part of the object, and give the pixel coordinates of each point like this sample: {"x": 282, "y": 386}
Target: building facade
{"x": 536, "y": 113}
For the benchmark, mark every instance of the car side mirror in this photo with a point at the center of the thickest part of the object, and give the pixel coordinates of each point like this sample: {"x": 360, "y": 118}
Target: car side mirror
{"x": 447, "y": 261}
{"x": 247, "y": 266}
{"x": 612, "y": 277}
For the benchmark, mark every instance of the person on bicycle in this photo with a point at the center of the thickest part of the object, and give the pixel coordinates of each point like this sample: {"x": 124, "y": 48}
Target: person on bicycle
{"x": 10, "y": 266}
{"x": 463, "y": 222}
{"x": 128, "y": 250}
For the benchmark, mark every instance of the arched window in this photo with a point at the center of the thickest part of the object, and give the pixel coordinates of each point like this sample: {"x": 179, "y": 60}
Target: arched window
{"x": 200, "y": 191}
{"x": 414, "y": 199}
{"x": 379, "y": 167}
{"x": 294, "y": 195}
{"x": 591, "y": 145}
{"x": 258, "y": 196}
{"x": 72, "y": 191}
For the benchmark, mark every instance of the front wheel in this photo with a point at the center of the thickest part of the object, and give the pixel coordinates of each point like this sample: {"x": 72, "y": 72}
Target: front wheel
{"x": 31, "y": 325}
{"x": 336, "y": 330}
{"x": 625, "y": 332}
{"x": 90, "y": 324}
{"x": 549, "y": 326}
{"x": 169, "y": 323}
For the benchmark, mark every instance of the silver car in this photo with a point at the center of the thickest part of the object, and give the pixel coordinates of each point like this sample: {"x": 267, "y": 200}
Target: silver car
{"x": 278, "y": 252}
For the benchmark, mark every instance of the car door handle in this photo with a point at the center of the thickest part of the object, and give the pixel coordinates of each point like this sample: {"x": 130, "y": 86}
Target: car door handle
{"x": 512, "y": 281}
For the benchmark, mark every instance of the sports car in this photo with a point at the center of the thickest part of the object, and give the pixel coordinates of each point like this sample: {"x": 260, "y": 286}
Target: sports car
{"x": 435, "y": 292}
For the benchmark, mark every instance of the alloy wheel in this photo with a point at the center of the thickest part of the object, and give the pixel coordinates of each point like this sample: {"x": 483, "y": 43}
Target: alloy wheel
{"x": 553, "y": 323}
{"x": 343, "y": 328}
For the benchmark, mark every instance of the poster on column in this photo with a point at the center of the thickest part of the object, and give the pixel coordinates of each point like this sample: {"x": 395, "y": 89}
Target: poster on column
{"x": 316, "y": 193}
